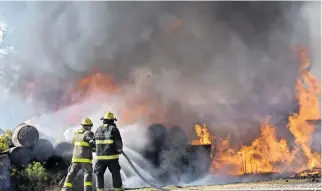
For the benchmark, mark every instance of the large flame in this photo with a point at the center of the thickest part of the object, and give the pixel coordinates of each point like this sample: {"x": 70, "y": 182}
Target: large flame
{"x": 267, "y": 153}
{"x": 131, "y": 108}
{"x": 92, "y": 83}
{"x": 85, "y": 89}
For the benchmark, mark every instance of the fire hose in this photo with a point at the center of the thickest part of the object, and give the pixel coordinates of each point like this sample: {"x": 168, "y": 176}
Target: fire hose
{"x": 136, "y": 171}
{"x": 139, "y": 174}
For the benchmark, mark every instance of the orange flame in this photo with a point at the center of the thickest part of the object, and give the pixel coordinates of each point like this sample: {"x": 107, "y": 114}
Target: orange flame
{"x": 95, "y": 82}
{"x": 267, "y": 153}
{"x": 308, "y": 98}
{"x": 204, "y": 136}
{"x": 84, "y": 89}
{"x": 131, "y": 108}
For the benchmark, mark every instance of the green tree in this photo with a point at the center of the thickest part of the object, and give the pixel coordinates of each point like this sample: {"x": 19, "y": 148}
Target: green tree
{"x": 36, "y": 174}
{"x": 5, "y": 141}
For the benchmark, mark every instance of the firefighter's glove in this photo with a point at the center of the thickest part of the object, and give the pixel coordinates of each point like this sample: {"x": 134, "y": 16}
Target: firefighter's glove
{"x": 119, "y": 151}
{"x": 92, "y": 143}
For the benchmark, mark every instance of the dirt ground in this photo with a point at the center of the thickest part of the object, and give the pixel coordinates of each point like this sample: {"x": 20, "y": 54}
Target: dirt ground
{"x": 289, "y": 184}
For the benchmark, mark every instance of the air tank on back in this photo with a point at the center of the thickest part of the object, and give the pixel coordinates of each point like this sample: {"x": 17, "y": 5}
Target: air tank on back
{"x": 25, "y": 135}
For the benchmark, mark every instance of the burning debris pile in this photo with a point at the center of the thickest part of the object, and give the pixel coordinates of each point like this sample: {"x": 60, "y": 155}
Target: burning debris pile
{"x": 267, "y": 153}
{"x": 183, "y": 62}
{"x": 172, "y": 157}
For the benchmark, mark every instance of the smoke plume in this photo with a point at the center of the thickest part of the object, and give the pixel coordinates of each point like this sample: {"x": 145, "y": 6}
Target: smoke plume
{"x": 229, "y": 64}
{"x": 194, "y": 61}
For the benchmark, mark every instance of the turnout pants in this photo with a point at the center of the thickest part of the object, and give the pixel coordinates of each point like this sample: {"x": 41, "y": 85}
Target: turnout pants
{"x": 115, "y": 169}
{"x": 72, "y": 172}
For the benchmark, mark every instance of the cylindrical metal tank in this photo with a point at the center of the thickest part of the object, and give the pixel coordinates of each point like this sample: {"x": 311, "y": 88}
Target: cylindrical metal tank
{"x": 20, "y": 156}
{"x": 64, "y": 150}
{"x": 157, "y": 135}
{"x": 177, "y": 136}
{"x": 5, "y": 181}
{"x": 43, "y": 150}
{"x": 25, "y": 135}
{"x": 198, "y": 161}
{"x": 55, "y": 163}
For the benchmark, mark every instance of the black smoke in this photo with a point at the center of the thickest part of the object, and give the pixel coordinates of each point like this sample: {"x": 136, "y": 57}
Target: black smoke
{"x": 206, "y": 61}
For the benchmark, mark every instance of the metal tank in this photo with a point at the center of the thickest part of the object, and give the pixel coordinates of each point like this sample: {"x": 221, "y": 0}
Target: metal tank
{"x": 25, "y": 135}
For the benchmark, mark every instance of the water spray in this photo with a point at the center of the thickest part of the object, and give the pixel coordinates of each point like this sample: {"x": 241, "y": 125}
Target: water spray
{"x": 138, "y": 173}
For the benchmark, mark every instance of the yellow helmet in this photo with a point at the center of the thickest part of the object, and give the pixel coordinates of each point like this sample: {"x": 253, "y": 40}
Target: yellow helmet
{"x": 109, "y": 116}
{"x": 87, "y": 122}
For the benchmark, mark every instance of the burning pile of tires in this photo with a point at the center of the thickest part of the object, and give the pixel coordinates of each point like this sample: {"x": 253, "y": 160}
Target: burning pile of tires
{"x": 176, "y": 159}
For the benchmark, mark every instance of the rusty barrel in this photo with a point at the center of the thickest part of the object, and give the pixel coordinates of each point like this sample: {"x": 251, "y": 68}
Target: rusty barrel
{"x": 5, "y": 181}
{"x": 20, "y": 156}
{"x": 25, "y": 135}
{"x": 43, "y": 150}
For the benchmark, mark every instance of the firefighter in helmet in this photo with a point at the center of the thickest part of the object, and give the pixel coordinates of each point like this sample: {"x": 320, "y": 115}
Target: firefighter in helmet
{"x": 82, "y": 156}
{"x": 109, "y": 146}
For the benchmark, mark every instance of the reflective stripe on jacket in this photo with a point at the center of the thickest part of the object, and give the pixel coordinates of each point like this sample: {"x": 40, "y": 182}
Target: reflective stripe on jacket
{"x": 105, "y": 142}
{"x": 82, "y": 151}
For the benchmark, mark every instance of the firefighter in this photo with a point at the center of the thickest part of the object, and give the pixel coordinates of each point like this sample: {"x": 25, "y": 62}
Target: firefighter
{"x": 82, "y": 156}
{"x": 109, "y": 146}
